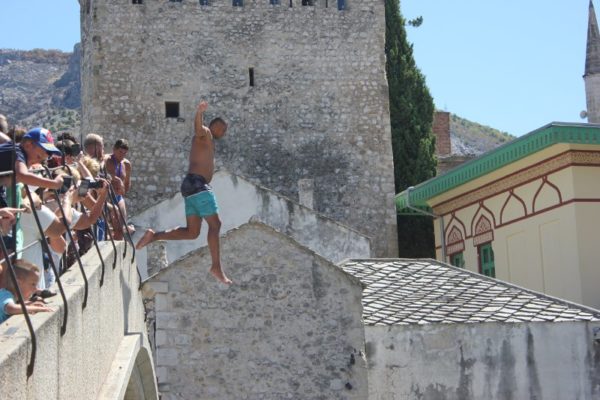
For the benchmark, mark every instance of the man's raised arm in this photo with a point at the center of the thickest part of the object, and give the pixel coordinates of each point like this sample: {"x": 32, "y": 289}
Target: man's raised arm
{"x": 198, "y": 120}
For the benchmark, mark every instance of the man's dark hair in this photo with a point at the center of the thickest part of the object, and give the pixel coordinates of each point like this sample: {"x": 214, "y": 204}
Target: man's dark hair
{"x": 217, "y": 120}
{"x": 67, "y": 136}
{"x": 122, "y": 144}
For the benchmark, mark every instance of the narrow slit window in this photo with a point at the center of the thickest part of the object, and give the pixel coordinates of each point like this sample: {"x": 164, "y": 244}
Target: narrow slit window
{"x": 137, "y": 1}
{"x": 238, "y": 3}
{"x": 204, "y": 2}
{"x": 291, "y": 3}
{"x": 308, "y": 2}
{"x": 341, "y": 4}
{"x": 275, "y": 2}
{"x": 172, "y": 109}
{"x": 251, "y": 76}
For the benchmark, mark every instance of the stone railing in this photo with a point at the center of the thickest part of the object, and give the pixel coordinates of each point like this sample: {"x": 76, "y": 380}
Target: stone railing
{"x": 103, "y": 352}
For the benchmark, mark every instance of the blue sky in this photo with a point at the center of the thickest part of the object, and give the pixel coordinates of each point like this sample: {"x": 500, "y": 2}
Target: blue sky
{"x": 514, "y": 65}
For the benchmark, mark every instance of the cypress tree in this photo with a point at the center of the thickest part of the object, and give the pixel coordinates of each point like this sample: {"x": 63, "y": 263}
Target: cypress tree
{"x": 413, "y": 144}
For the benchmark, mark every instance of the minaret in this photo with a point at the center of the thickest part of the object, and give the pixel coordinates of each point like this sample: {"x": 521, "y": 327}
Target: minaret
{"x": 592, "y": 69}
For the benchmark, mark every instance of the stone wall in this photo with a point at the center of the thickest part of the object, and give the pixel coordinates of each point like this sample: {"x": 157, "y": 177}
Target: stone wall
{"x": 318, "y": 109}
{"x": 492, "y": 361}
{"x": 288, "y": 328}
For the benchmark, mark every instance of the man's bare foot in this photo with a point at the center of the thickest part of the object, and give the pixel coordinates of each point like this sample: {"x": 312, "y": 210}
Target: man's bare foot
{"x": 220, "y": 275}
{"x": 147, "y": 238}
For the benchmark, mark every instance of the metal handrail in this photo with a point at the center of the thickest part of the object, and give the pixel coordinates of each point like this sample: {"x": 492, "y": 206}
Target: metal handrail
{"x": 95, "y": 245}
{"x": 13, "y": 278}
{"x": 109, "y": 234}
{"x": 70, "y": 235}
{"x": 113, "y": 199}
{"x": 46, "y": 250}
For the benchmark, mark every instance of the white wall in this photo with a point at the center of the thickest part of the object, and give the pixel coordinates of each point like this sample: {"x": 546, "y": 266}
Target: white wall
{"x": 483, "y": 361}
{"x": 240, "y": 201}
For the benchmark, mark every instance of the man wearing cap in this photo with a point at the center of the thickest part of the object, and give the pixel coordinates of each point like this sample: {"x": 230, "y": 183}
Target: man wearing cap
{"x": 36, "y": 146}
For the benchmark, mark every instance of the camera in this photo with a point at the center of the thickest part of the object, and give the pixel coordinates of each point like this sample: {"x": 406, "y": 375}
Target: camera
{"x": 67, "y": 182}
{"x": 86, "y": 184}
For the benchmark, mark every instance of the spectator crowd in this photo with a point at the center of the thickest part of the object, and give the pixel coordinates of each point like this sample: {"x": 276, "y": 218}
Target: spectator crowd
{"x": 56, "y": 199}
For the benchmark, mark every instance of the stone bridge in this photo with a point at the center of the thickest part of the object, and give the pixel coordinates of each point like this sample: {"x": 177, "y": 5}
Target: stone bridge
{"x": 103, "y": 352}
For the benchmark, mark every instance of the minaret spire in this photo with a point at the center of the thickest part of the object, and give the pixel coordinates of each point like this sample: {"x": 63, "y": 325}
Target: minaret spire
{"x": 592, "y": 69}
{"x": 592, "y": 60}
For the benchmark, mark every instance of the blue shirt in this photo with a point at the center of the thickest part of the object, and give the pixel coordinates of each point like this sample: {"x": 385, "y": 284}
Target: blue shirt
{"x": 6, "y": 298}
{"x": 6, "y": 156}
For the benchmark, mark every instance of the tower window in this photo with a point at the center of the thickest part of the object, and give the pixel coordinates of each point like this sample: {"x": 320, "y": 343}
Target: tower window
{"x": 238, "y": 3}
{"x": 275, "y": 2}
{"x": 203, "y": 2}
{"x": 308, "y": 2}
{"x": 175, "y": 1}
{"x": 172, "y": 109}
{"x": 251, "y": 76}
{"x": 137, "y": 1}
{"x": 341, "y": 4}
{"x": 291, "y": 3}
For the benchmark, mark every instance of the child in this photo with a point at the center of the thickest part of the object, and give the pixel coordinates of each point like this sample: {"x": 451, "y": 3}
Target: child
{"x": 200, "y": 202}
{"x": 28, "y": 276}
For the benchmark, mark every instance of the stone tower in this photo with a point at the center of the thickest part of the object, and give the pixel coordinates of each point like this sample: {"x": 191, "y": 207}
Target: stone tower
{"x": 302, "y": 85}
{"x": 592, "y": 69}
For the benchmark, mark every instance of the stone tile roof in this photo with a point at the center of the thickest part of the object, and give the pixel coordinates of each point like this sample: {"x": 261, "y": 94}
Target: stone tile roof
{"x": 405, "y": 292}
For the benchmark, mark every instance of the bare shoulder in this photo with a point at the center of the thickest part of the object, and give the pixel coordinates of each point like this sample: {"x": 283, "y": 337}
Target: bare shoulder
{"x": 203, "y": 132}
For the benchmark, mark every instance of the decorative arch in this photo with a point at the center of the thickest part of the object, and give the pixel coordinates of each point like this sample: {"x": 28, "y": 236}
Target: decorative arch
{"x": 538, "y": 201}
{"x": 482, "y": 210}
{"x": 483, "y": 232}
{"x": 512, "y": 206}
{"x": 455, "y": 241}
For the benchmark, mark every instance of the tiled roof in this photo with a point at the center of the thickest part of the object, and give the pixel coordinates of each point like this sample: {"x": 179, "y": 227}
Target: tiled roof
{"x": 405, "y": 292}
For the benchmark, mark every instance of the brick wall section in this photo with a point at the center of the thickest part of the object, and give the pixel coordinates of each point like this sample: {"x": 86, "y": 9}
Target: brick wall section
{"x": 319, "y": 109}
{"x": 289, "y": 328}
{"x": 441, "y": 130}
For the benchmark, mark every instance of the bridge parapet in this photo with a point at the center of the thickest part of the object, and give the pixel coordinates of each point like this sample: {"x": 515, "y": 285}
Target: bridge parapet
{"x": 104, "y": 351}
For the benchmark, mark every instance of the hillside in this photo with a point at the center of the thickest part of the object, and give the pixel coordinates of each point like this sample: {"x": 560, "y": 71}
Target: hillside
{"x": 472, "y": 139}
{"x": 42, "y": 88}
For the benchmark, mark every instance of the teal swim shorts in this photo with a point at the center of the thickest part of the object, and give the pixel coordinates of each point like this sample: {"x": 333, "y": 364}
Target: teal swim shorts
{"x": 201, "y": 204}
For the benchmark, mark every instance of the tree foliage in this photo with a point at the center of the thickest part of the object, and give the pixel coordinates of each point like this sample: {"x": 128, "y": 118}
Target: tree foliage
{"x": 413, "y": 144}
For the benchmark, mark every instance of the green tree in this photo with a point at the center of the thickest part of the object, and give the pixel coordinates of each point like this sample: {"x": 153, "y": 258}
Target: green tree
{"x": 411, "y": 113}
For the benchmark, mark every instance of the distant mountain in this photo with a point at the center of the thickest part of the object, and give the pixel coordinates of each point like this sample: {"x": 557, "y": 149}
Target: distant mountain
{"x": 472, "y": 139}
{"x": 43, "y": 88}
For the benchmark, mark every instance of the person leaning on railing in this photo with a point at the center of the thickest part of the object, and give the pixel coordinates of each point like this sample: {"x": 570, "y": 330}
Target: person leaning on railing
{"x": 35, "y": 147}
{"x": 52, "y": 227}
{"x": 80, "y": 220}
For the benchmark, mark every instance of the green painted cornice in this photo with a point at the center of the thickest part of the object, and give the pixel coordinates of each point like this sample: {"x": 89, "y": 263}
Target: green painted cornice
{"x": 526, "y": 145}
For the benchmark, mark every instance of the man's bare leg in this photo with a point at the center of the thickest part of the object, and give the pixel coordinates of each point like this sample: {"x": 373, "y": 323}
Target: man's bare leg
{"x": 189, "y": 232}
{"x": 214, "y": 227}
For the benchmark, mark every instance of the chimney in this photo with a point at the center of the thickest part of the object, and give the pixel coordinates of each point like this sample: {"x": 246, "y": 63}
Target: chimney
{"x": 441, "y": 130}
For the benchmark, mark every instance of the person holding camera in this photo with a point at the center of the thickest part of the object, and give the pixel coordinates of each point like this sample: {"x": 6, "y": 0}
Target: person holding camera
{"x": 35, "y": 147}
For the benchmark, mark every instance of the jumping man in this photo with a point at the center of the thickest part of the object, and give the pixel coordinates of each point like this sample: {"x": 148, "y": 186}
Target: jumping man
{"x": 200, "y": 201}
